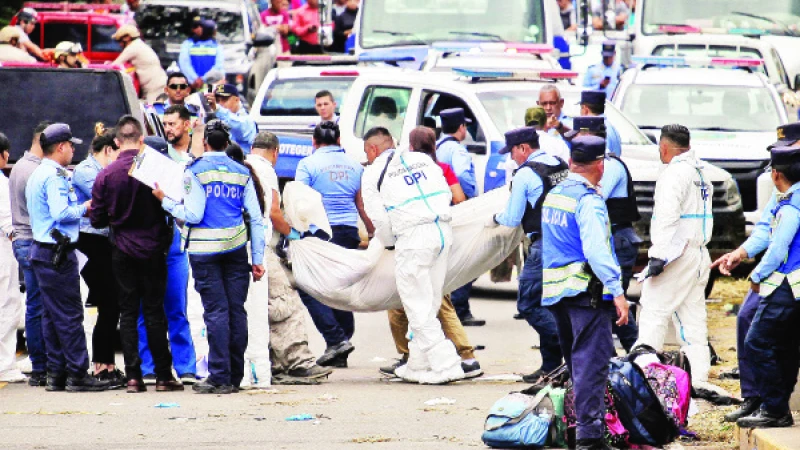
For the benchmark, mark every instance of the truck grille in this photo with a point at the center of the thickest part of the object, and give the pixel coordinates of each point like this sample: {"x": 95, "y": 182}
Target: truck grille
{"x": 746, "y": 174}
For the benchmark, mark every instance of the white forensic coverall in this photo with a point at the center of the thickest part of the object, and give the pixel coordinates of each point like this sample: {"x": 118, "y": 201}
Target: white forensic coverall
{"x": 10, "y": 297}
{"x": 679, "y": 231}
{"x": 411, "y": 211}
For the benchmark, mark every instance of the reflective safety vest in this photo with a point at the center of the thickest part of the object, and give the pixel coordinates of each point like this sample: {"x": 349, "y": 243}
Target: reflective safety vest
{"x": 790, "y": 269}
{"x": 203, "y": 55}
{"x": 566, "y": 269}
{"x": 223, "y": 228}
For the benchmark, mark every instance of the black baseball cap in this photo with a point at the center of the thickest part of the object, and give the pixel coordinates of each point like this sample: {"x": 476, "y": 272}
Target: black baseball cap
{"x": 519, "y": 136}
{"x": 58, "y": 132}
{"x": 587, "y": 149}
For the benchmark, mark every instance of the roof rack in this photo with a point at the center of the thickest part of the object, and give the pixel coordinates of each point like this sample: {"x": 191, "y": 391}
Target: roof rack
{"x": 476, "y": 75}
{"x": 72, "y": 7}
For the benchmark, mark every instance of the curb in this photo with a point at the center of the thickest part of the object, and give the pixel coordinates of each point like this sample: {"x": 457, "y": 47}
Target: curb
{"x": 768, "y": 438}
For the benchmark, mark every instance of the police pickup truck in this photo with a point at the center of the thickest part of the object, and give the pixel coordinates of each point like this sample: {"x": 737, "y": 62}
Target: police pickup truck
{"x": 496, "y": 102}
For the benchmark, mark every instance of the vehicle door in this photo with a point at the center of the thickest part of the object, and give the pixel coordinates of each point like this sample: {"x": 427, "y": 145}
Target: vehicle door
{"x": 432, "y": 102}
{"x": 101, "y": 47}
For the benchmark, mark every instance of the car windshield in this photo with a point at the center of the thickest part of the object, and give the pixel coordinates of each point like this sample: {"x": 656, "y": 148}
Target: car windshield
{"x": 717, "y": 108}
{"x": 507, "y": 111}
{"x": 387, "y": 23}
{"x": 713, "y": 51}
{"x": 774, "y": 16}
{"x": 295, "y": 97}
{"x": 173, "y": 23}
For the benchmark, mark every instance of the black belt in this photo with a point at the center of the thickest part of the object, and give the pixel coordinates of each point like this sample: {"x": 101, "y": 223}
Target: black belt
{"x": 51, "y": 247}
{"x": 620, "y": 226}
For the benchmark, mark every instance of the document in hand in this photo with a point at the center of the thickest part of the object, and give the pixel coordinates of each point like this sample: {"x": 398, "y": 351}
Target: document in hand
{"x": 151, "y": 167}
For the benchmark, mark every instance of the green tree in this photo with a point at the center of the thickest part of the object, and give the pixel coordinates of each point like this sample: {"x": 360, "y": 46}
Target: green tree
{"x": 8, "y": 9}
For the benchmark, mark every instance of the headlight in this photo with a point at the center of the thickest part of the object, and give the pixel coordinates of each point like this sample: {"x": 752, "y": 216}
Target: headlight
{"x": 732, "y": 196}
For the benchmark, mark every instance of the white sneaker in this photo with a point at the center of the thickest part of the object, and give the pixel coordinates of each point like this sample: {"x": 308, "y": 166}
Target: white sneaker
{"x": 25, "y": 365}
{"x": 12, "y": 376}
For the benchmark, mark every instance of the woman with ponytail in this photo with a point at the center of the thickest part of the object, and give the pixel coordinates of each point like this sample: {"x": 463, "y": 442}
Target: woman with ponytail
{"x": 95, "y": 244}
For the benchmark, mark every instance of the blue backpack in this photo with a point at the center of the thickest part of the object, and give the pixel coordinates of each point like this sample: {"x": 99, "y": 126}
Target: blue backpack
{"x": 519, "y": 420}
{"x": 639, "y": 409}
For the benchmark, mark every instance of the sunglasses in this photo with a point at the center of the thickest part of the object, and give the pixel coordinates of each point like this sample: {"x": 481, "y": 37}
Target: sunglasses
{"x": 178, "y": 86}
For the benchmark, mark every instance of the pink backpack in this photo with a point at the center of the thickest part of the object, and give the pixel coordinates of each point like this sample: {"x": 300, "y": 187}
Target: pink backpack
{"x": 673, "y": 387}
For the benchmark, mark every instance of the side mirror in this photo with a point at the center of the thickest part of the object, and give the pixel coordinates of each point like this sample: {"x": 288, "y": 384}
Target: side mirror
{"x": 264, "y": 37}
{"x": 796, "y": 85}
{"x": 650, "y": 135}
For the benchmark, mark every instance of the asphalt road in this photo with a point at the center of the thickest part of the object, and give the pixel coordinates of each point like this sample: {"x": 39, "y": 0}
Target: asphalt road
{"x": 355, "y": 407}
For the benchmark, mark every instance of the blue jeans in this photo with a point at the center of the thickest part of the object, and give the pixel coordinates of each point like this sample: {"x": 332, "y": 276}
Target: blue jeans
{"x": 529, "y": 305}
{"x": 460, "y": 299}
{"x": 774, "y": 343}
{"x": 180, "y": 335}
{"x": 222, "y": 280}
{"x": 626, "y": 247}
{"x": 336, "y": 326}
{"x": 585, "y": 335}
{"x": 747, "y": 377}
{"x": 33, "y": 306}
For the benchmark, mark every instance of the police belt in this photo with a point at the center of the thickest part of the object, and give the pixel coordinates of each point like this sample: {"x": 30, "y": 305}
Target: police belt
{"x": 52, "y": 247}
{"x": 620, "y": 226}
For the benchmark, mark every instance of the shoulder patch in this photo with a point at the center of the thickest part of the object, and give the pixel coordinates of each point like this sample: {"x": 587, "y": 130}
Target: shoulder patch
{"x": 187, "y": 184}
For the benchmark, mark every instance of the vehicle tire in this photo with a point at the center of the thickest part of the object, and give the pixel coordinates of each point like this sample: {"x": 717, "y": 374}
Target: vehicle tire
{"x": 712, "y": 277}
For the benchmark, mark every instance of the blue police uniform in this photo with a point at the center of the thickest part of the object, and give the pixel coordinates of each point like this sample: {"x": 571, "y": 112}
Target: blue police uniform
{"x": 82, "y": 181}
{"x": 597, "y": 72}
{"x": 613, "y": 140}
{"x": 243, "y": 128}
{"x": 337, "y": 177}
{"x": 598, "y": 98}
{"x": 159, "y": 108}
{"x": 576, "y": 237}
{"x": 773, "y": 337}
{"x": 617, "y": 190}
{"x": 530, "y": 185}
{"x": 198, "y": 57}
{"x": 53, "y": 204}
{"x": 217, "y": 193}
{"x": 450, "y": 151}
{"x": 184, "y": 358}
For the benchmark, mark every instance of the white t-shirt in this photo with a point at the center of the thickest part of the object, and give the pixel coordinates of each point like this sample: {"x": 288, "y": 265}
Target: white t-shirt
{"x": 23, "y": 38}
{"x": 269, "y": 180}
{"x": 553, "y": 146}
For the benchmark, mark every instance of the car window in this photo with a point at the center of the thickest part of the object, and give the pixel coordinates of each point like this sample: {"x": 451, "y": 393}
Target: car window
{"x": 55, "y": 32}
{"x": 296, "y": 97}
{"x": 101, "y": 39}
{"x": 717, "y": 108}
{"x": 779, "y": 65}
{"x": 173, "y": 23}
{"x": 382, "y": 106}
{"x": 434, "y": 102}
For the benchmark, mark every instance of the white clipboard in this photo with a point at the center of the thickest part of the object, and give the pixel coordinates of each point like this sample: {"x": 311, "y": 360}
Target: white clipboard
{"x": 151, "y": 167}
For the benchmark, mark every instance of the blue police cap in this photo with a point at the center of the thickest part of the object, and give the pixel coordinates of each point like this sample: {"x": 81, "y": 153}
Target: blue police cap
{"x": 453, "y": 117}
{"x": 524, "y": 135}
{"x": 609, "y": 48}
{"x": 58, "y": 132}
{"x": 156, "y": 143}
{"x": 226, "y": 90}
{"x": 787, "y": 135}
{"x": 593, "y": 98}
{"x": 594, "y": 124}
{"x": 587, "y": 149}
{"x": 784, "y": 156}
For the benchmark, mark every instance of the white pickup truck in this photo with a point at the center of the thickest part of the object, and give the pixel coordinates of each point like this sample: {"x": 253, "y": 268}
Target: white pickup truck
{"x": 496, "y": 104}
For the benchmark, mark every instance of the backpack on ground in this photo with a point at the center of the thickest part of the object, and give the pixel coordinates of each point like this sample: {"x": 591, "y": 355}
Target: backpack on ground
{"x": 639, "y": 408}
{"x": 520, "y": 420}
{"x": 673, "y": 388}
{"x": 616, "y": 435}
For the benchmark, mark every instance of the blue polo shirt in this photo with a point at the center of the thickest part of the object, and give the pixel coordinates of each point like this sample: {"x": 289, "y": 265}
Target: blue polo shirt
{"x": 53, "y": 202}
{"x": 337, "y": 177}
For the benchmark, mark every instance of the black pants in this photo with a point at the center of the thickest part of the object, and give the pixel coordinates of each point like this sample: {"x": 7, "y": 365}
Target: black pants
{"x": 102, "y": 293}
{"x": 304, "y": 48}
{"x": 142, "y": 282}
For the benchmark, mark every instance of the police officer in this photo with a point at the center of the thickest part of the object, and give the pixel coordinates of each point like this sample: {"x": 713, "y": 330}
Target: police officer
{"x": 337, "y": 176}
{"x": 617, "y": 191}
{"x": 449, "y": 150}
{"x": 604, "y": 75}
{"x": 774, "y": 336}
{"x": 201, "y": 53}
{"x": 579, "y": 270}
{"x": 55, "y": 221}
{"x": 217, "y": 194}
{"x": 593, "y": 103}
{"x": 537, "y": 174}
{"x": 788, "y": 136}
{"x": 227, "y": 105}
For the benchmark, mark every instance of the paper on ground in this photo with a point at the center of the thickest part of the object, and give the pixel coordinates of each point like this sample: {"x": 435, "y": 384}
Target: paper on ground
{"x": 151, "y": 167}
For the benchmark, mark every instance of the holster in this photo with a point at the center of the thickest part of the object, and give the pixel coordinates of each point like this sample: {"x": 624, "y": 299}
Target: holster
{"x": 595, "y": 288}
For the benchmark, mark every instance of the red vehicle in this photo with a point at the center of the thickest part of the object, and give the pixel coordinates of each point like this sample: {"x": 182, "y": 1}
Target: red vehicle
{"x": 90, "y": 25}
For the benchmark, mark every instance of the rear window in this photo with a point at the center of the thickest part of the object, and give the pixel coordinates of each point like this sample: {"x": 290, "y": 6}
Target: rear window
{"x": 101, "y": 39}
{"x": 55, "y": 32}
{"x": 82, "y": 99}
{"x": 174, "y": 23}
{"x": 296, "y": 97}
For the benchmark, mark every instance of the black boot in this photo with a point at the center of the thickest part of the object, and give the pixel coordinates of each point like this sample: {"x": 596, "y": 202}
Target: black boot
{"x": 748, "y": 407}
{"x": 763, "y": 419}
{"x": 591, "y": 444}
{"x": 86, "y": 383}
{"x": 56, "y": 382}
